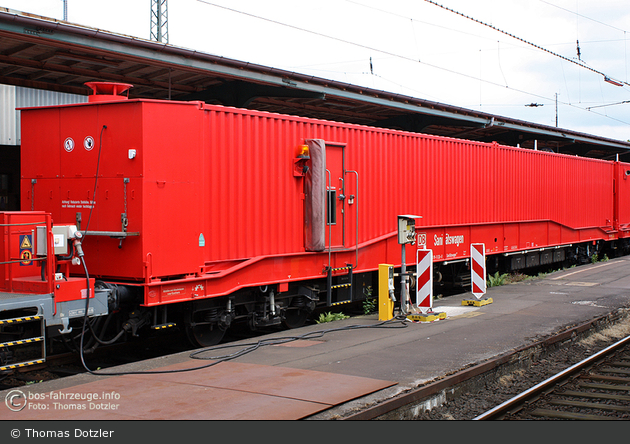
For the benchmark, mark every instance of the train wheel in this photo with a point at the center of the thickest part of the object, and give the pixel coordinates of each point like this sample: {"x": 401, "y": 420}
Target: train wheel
{"x": 204, "y": 335}
{"x": 295, "y": 317}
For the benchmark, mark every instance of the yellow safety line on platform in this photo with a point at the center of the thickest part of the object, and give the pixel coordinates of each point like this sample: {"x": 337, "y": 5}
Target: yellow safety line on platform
{"x": 586, "y": 269}
{"x": 467, "y": 315}
{"x": 581, "y": 284}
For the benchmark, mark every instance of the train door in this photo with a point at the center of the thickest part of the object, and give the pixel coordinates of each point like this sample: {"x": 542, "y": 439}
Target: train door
{"x": 335, "y": 196}
{"x": 325, "y": 204}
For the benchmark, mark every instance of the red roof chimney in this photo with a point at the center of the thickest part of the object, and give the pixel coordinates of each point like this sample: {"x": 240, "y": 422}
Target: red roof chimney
{"x": 108, "y": 91}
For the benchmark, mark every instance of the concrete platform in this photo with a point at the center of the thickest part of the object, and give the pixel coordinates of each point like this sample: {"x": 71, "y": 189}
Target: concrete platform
{"x": 340, "y": 367}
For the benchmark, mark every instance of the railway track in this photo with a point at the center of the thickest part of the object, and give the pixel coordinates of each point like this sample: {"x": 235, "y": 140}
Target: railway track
{"x": 473, "y": 391}
{"x": 596, "y": 388}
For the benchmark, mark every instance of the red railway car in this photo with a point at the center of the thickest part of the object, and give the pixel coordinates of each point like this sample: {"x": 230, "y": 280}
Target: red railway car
{"x": 206, "y": 215}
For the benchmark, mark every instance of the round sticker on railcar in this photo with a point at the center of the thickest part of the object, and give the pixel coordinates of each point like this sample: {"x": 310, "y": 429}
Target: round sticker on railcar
{"x": 68, "y": 144}
{"x": 422, "y": 239}
{"x": 88, "y": 143}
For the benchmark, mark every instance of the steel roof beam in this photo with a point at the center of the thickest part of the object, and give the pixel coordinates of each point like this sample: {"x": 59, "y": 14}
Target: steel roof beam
{"x": 64, "y": 69}
{"x": 239, "y": 93}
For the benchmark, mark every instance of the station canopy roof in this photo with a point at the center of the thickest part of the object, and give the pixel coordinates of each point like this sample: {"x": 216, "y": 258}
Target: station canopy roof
{"x": 44, "y": 53}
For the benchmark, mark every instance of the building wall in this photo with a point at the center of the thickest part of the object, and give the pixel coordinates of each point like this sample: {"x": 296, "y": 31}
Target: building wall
{"x": 8, "y": 128}
{"x": 28, "y": 97}
{"x": 12, "y": 98}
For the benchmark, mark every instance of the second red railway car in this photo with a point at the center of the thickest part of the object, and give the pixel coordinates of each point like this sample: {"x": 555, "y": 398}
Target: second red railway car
{"x": 205, "y": 215}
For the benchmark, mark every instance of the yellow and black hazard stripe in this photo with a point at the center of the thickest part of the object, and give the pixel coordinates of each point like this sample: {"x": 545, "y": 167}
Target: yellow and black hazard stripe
{"x": 20, "y": 320}
{"x": 163, "y": 326}
{"x": 21, "y": 364}
{"x": 339, "y": 303}
{"x": 332, "y": 287}
{"x": 22, "y": 342}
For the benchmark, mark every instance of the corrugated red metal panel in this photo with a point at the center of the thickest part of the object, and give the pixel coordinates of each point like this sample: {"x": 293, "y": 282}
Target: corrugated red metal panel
{"x": 253, "y": 193}
{"x": 211, "y": 184}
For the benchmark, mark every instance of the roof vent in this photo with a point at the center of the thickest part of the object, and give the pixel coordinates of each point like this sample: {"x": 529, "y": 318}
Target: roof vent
{"x": 108, "y": 91}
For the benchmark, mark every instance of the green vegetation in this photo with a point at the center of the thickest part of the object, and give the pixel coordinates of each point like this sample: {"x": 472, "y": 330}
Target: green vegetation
{"x": 330, "y": 317}
{"x": 505, "y": 278}
{"x": 595, "y": 258}
{"x": 497, "y": 279}
{"x": 369, "y": 304}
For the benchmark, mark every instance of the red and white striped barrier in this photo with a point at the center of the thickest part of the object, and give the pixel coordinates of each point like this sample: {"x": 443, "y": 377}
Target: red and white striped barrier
{"x": 478, "y": 269}
{"x": 424, "y": 283}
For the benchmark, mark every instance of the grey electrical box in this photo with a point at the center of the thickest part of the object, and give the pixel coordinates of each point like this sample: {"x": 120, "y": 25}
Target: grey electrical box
{"x": 407, "y": 229}
{"x": 61, "y": 236}
{"x": 41, "y": 241}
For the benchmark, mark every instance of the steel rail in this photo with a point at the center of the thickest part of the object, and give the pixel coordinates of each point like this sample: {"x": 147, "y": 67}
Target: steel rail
{"x": 507, "y": 406}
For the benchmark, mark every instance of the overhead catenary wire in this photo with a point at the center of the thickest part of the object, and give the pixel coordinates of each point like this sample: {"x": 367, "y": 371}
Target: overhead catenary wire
{"x": 581, "y": 15}
{"x": 607, "y": 104}
{"x": 402, "y": 57}
{"x": 360, "y": 45}
{"x": 527, "y": 42}
{"x": 406, "y": 17}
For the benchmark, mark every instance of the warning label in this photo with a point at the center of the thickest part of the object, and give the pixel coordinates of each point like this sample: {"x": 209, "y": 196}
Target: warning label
{"x": 77, "y": 203}
{"x": 26, "y": 250}
{"x": 68, "y": 144}
{"x": 25, "y": 242}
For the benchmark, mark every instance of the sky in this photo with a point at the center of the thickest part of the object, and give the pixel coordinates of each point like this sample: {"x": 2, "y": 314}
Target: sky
{"x": 502, "y": 57}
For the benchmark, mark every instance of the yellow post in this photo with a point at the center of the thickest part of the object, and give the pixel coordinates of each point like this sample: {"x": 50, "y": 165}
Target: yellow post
{"x": 385, "y": 284}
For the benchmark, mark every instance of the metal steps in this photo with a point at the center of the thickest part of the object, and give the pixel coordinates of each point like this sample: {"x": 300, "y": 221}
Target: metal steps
{"x": 339, "y": 286}
{"x": 8, "y": 348}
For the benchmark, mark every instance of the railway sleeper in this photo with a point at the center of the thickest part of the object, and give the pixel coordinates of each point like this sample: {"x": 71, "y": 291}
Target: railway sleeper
{"x": 589, "y": 405}
{"x": 569, "y": 415}
{"x": 608, "y": 396}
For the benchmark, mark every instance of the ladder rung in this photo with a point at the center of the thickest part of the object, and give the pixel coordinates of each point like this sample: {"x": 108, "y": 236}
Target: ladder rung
{"x": 339, "y": 303}
{"x": 340, "y": 286}
{"x": 21, "y": 364}
{"x": 20, "y": 320}
{"x": 163, "y": 326}
{"x": 341, "y": 268}
{"x": 22, "y": 341}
